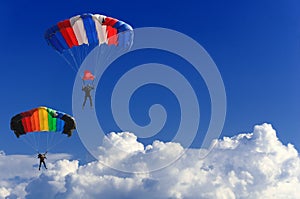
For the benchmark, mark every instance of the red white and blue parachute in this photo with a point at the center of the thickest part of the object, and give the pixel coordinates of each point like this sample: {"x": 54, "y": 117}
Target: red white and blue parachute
{"x": 74, "y": 38}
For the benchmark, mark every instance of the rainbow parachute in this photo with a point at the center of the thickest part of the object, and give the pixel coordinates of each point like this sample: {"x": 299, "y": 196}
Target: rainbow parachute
{"x": 42, "y": 119}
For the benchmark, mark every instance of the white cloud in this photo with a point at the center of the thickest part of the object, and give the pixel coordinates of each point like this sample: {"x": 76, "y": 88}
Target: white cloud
{"x": 4, "y": 192}
{"x": 253, "y": 165}
{"x": 16, "y": 171}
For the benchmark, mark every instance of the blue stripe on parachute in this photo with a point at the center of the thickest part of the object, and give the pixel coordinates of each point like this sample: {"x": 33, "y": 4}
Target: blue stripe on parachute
{"x": 59, "y": 125}
{"x": 128, "y": 38}
{"x": 59, "y": 122}
{"x": 55, "y": 38}
{"x": 61, "y": 40}
{"x": 90, "y": 29}
{"x": 122, "y": 26}
{"x": 52, "y": 40}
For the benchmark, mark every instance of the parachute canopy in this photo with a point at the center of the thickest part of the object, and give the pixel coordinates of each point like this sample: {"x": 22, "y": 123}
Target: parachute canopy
{"x": 42, "y": 119}
{"x": 88, "y": 75}
{"x": 74, "y": 38}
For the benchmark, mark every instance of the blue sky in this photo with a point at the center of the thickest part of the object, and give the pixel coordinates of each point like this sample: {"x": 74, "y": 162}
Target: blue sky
{"x": 255, "y": 44}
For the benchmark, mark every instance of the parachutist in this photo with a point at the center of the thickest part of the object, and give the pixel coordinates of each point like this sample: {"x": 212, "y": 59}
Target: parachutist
{"x": 42, "y": 158}
{"x": 87, "y": 90}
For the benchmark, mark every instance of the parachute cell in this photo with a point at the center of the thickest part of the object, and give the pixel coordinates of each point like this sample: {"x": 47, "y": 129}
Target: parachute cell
{"x": 42, "y": 119}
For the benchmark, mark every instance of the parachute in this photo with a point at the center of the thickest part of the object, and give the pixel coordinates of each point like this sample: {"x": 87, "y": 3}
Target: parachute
{"x": 76, "y": 37}
{"x": 42, "y": 119}
{"x": 88, "y": 75}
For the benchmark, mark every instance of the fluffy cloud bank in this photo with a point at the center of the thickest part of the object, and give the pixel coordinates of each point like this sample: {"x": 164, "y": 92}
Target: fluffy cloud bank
{"x": 253, "y": 165}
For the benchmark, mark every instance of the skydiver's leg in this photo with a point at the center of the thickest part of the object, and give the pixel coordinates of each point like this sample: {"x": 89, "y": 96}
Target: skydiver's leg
{"x": 91, "y": 103}
{"x": 44, "y": 164}
{"x": 85, "y": 98}
{"x": 40, "y": 165}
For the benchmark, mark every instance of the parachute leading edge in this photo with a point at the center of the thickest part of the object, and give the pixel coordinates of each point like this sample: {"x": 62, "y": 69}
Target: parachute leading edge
{"x": 42, "y": 119}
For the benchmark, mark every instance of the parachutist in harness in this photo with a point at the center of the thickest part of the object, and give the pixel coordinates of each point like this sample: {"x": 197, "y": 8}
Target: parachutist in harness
{"x": 42, "y": 158}
{"x": 87, "y": 90}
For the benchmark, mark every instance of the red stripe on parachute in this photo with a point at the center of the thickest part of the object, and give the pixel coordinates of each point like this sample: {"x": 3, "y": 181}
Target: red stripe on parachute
{"x": 111, "y": 31}
{"x": 68, "y": 33}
